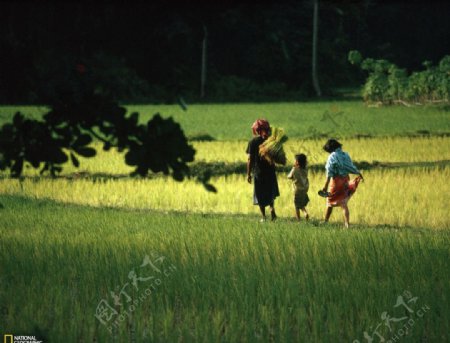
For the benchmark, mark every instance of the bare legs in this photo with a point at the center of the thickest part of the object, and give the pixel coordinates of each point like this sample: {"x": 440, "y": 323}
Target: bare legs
{"x": 346, "y": 215}
{"x": 328, "y": 213}
{"x": 304, "y": 211}
{"x": 272, "y": 212}
{"x": 263, "y": 212}
{"x": 273, "y": 215}
{"x": 345, "y": 211}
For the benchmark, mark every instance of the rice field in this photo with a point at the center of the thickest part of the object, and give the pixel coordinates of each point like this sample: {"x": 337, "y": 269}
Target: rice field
{"x": 388, "y": 150}
{"x": 175, "y": 263}
{"x": 226, "y": 278}
{"x": 299, "y": 119}
{"x": 386, "y": 197}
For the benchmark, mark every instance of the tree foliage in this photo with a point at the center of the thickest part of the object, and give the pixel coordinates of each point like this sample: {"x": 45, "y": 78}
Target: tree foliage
{"x": 109, "y": 75}
{"x": 77, "y": 118}
{"x": 387, "y": 83}
{"x": 151, "y": 51}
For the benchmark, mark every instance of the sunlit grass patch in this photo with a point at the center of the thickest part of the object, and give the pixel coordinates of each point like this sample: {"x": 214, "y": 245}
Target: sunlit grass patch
{"x": 411, "y": 197}
{"x": 234, "y": 279}
{"x": 387, "y": 149}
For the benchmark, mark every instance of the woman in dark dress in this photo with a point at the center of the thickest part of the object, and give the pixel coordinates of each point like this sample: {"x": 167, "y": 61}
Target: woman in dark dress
{"x": 265, "y": 185}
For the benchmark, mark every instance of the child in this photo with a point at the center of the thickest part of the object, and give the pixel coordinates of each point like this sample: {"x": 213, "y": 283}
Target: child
{"x": 339, "y": 166}
{"x": 300, "y": 185}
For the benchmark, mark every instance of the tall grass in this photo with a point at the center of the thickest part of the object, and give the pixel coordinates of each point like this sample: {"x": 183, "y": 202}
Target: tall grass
{"x": 387, "y": 149}
{"x": 235, "y": 280}
{"x": 411, "y": 197}
{"x": 66, "y": 243}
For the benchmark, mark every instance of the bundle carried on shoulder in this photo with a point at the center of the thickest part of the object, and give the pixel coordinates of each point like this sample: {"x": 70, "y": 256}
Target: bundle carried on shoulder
{"x": 272, "y": 148}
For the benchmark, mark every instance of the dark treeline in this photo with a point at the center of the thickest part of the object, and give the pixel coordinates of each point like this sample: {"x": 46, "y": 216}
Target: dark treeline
{"x": 152, "y": 51}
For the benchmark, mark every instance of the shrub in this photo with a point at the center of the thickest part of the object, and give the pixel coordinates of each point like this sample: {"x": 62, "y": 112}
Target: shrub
{"x": 387, "y": 83}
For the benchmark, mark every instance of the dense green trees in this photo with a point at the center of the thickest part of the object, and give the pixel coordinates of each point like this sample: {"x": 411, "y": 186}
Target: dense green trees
{"x": 152, "y": 51}
{"x": 387, "y": 83}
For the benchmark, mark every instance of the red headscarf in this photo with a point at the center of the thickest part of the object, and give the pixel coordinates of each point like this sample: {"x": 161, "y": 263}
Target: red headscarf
{"x": 260, "y": 124}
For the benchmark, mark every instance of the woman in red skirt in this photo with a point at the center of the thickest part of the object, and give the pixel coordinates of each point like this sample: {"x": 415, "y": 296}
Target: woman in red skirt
{"x": 339, "y": 166}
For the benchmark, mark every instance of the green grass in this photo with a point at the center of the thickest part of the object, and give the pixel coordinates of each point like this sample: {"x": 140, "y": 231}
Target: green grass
{"x": 399, "y": 197}
{"x": 233, "y": 121}
{"x": 386, "y": 150}
{"x": 304, "y": 119}
{"x": 67, "y": 243}
{"x": 235, "y": 279}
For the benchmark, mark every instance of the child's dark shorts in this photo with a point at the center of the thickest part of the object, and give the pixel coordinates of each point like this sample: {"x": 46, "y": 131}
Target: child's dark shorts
{"x": 301, "y": 199}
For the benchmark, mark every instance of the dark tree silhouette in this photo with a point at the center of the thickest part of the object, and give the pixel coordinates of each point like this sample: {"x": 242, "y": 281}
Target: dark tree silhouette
{"x": 78, "y": 117}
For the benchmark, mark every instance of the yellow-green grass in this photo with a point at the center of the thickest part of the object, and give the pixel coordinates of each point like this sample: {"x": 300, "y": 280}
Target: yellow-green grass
{"x": 387, "y": 149}
{"x": 299, "y": 119}
{"x": 403, "y": 197}
{"x": 234, "y": 279}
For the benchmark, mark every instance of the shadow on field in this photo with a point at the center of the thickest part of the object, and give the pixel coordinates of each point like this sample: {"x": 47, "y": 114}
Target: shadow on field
{"x": 215, "y": 169}
{"x": 18, "y": 203}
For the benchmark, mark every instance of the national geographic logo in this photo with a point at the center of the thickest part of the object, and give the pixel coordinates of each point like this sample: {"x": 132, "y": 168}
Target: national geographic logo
{"x": 20, "y": 339}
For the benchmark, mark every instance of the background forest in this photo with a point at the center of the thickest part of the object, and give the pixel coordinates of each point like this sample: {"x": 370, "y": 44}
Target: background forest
{"x": 154, "y": 51}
